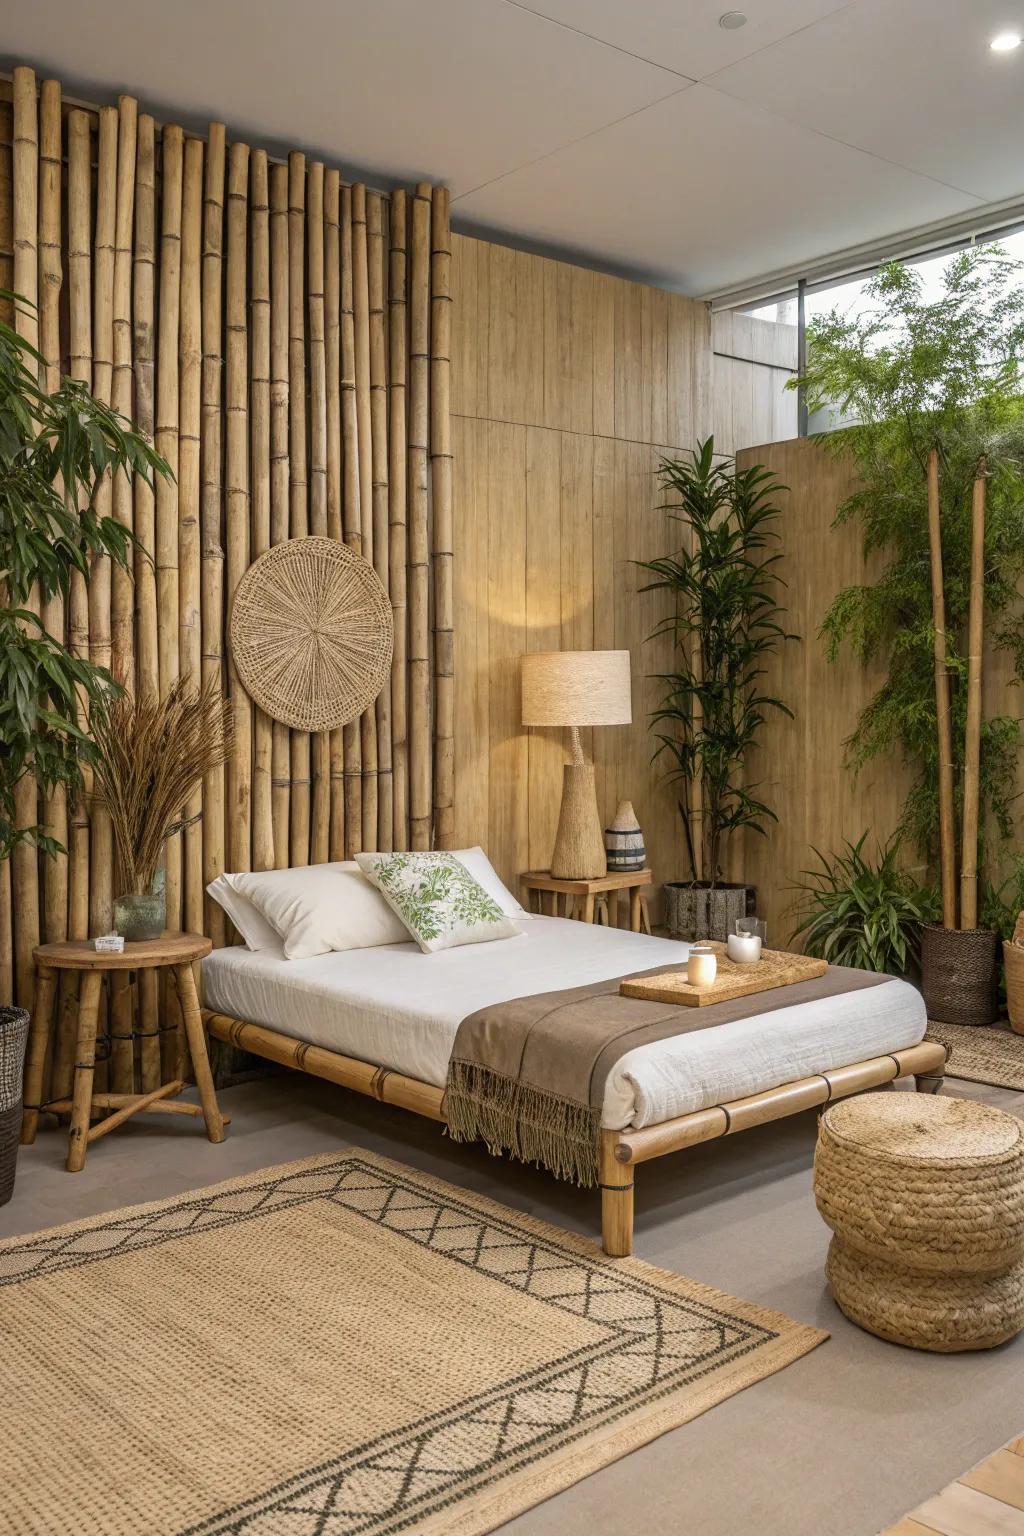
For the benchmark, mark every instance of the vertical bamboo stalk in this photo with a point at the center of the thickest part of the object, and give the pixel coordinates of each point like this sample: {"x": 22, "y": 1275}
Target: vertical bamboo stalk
{"x": 259, "y": 433}
{"x": 122, "y": 634}
{"x": 441, "y": 497}
{"x": 420, "y": 768}
{"x": 172, "y": 149}
{"x": 351, "y": 513}
{"x": 361, "y": 325}
{"x": 101, "y": 885}
{"x": 332, "y": 365}
{"x": 80, "y": 367}
{"x": 298, "y": 489}
{"x": 211, "y": 581}
{"x": 376, "y": 289}
{"x": 147, "y": 666}
{"x": 147, "y": 669}
{"x": 190, "y": 376}
{"x": 55, "y": 816}
{"x": 947, "y": 833}
{"x": 236, "y": 474}
{"x": 320, "y": 830}
{"x": 972, "y": 740}
{"x": 25, "y": 862}
{"x": 279, "y": 473}
{"x": 397, "y": 513}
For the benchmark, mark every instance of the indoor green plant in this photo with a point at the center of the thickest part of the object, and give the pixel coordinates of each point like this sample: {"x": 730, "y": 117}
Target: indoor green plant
{"x": 864, "y": 912}
{"x": 54, "y": 451}
{"x": 726, "y": 620}
{"x": 934, "y": 391}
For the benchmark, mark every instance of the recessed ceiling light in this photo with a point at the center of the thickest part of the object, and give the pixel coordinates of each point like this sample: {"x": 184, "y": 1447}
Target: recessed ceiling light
{"x": 732, "y": 20}
{"x": 1004, "y": 42}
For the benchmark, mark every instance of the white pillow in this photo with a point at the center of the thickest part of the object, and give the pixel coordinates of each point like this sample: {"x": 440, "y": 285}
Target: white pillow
{"x": 485, "y": 874}
{"x": 437, "y": 899}
{"x": 256, "y": 932}
{"x": 322, "y": 907}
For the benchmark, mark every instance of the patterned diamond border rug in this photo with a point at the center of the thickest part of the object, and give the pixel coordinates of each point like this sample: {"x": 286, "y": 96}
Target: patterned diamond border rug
{"x": 342, "y": 1345}
{"x": 982, "y": 1055}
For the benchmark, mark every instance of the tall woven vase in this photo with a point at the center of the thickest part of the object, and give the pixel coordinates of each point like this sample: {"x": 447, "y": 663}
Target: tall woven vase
{"x": 960, "y": 974}
{"x": 13, "y": 1037}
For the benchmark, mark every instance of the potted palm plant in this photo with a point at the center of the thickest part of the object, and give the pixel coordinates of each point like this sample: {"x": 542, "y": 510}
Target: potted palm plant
{"x": 54, "y": 451}
{"x": 725, "y": 621}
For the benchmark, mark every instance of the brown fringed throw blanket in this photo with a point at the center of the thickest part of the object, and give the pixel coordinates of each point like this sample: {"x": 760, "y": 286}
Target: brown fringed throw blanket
{"x": 528, "y": 1076}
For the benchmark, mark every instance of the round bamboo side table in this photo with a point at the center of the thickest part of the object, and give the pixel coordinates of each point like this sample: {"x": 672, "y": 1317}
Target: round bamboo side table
{"x": 176, "y": 952}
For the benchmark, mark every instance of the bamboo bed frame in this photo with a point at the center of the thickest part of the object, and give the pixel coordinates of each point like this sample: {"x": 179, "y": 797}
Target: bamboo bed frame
{"x": 620, "y": 1151}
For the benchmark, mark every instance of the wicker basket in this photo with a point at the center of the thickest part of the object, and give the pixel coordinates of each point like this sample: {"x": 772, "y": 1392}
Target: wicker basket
{"x": 14, "y": 1024}
{"x": 960, "y": 974}
{"x": 1013, "y": 965}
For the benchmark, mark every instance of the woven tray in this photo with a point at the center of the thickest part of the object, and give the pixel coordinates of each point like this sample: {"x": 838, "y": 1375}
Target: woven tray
{"x": 774, "y": 969}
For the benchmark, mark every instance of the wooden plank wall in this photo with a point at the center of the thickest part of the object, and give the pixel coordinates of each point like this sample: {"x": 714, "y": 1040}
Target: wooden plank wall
{"x": 286, "y": 340}
{"x": 800, "y": 763}
{"x": 567, "y": 386}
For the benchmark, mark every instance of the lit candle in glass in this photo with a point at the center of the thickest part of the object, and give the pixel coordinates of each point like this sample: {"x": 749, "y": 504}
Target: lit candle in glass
{"x": 702, "y": 966}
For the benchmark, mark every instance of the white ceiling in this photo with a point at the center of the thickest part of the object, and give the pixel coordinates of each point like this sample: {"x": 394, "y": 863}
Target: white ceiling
{"x": 635, "y": 133}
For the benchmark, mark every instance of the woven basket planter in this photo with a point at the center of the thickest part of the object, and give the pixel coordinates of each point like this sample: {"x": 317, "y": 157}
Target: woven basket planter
{"x": 702, "y": 911}
{"x": 960, "y": 974}
{"x": 925, "y": 1197}
{"x": 14, "y": 1024}
{"x": 1013, "y": 965}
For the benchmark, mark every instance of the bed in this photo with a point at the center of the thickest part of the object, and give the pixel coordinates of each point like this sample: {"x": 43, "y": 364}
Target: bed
{"x": 383, "y": 1020}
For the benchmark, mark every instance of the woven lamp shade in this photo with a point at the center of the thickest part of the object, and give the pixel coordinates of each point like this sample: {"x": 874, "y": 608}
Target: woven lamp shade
{"x": 311, "y": 633}
{"x": 576, "y": 688}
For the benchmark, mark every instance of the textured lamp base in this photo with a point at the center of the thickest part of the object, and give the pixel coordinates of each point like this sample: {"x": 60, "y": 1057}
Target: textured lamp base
{"x": 579, "y": 844}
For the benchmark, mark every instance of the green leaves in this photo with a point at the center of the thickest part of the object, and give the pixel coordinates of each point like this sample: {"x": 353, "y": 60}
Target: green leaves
{"x": 725, "y": 621}
{"x": 862, "y": 913}
{"x": 54, "y": 452}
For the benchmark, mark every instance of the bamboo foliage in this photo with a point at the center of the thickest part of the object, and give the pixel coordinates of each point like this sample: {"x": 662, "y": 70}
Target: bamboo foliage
{"x": 972, "y": 743}
{"x": 284, "y": 338}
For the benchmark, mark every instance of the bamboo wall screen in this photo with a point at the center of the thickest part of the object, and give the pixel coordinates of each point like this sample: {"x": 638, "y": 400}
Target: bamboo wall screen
{"x": 285, "y": 339}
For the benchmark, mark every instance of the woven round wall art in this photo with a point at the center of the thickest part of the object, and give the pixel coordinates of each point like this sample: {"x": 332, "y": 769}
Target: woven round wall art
{"x": 311, "y": 633}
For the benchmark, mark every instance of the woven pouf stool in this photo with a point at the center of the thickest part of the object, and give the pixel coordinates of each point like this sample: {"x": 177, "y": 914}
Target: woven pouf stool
{"x": 925, "y": 1198}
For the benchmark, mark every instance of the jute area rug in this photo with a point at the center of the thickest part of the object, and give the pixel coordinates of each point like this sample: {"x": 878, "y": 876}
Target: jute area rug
{"x": 342, "y": 1345}
{"x": 982, "y": 1055}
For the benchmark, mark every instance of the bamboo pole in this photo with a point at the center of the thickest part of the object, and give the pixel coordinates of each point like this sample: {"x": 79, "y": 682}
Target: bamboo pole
{"x": 25, "y": 862}
{"x": 376, "y": 289}
{"x": 190, "y": 377}
{"x": 351, "y": 516}
{"x": 441, "y": 489}
{"x": 172, "y": 148}
{"x": 279, "y": 474}
{"x": 259, "y": 511}
{"x": 332, "y": 365}
{"x": 361, "y": 326}
{"x": 947, "y": 833}
{"x": 55, "y": 814}
{"x": 122, "y": 632}
{"x": 101, "y": 882}
{"x": 397, "y": 514}
{"x": 420, "y": 768}
{"x": 211, "y": 577}
{"x": 298, "y": 845}
{"x": 972, "y": 740}
{"x": 320, "y": 829}
{"x": 236, "y": 477}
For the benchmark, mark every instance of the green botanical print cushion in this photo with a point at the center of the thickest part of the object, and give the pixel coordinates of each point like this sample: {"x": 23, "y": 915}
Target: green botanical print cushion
{"x": 436, "y": 898}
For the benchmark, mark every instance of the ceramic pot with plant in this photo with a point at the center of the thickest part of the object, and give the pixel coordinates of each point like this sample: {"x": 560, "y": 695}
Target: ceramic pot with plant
{"x": 151, "y": 754}
{"x": 725, "y": 621}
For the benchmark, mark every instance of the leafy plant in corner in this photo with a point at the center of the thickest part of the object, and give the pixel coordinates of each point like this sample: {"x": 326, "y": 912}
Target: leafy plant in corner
{"x": 55, "y": 450}
{"x": 726, "y": 620}
{"x": 862, "y": 912}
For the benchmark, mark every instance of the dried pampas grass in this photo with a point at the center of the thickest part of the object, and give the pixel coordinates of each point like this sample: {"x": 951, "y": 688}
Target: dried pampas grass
{"x": 152, "y": 754}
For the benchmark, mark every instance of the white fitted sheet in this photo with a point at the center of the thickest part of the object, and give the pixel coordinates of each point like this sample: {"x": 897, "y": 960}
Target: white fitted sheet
{"x": 398, "y": 1008}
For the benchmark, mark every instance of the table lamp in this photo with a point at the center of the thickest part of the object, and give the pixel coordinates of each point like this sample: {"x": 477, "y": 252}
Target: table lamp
{"x": 577, "y": 688}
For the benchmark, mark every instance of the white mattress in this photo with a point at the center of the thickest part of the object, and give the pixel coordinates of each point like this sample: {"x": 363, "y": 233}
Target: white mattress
{"x": 398, "y": 1008}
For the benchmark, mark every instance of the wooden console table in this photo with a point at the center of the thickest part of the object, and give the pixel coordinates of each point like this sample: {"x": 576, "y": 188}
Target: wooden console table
{"x": 174, "y": 951}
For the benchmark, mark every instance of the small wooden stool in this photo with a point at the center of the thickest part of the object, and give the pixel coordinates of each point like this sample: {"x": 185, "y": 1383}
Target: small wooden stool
{"x": 177, "y": 952}
{"x": 587, "y": 900}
